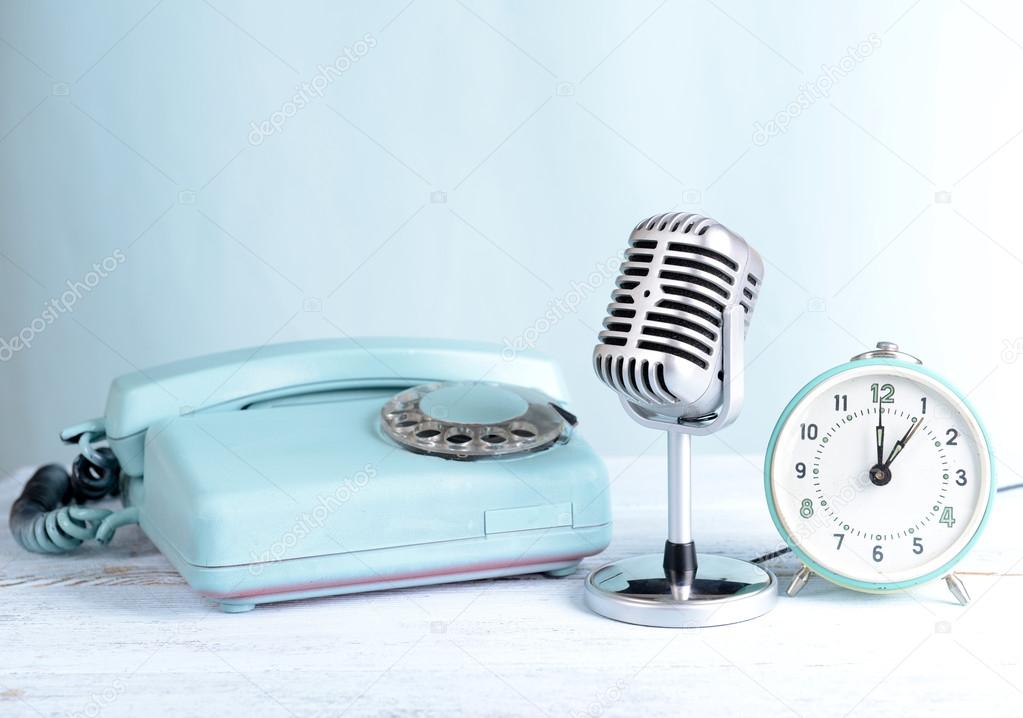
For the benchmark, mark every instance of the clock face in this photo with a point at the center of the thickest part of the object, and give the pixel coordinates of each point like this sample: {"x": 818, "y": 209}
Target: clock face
{"x": 880, "y": 475}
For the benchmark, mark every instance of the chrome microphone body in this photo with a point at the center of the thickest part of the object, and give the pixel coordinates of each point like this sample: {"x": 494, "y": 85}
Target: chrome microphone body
{"x": 661, "y": 346}
{"x": 688, "y": 286}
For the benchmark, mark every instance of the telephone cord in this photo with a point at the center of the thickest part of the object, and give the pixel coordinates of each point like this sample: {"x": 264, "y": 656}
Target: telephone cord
{"x": 50, "y": 515}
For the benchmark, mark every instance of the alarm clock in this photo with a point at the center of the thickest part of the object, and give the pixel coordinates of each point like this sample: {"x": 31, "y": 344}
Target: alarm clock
{"x": 879, "y": 475}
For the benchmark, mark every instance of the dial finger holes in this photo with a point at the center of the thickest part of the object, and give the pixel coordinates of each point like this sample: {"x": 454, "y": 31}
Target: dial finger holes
{"x": 513, "y": 421}
{"x": 493, "y": 438}
{"x": 523, "y": 430}
{"x": 404, "y": 422}
{"x": 428, "y": 431}
{"x": 459, "y": 436}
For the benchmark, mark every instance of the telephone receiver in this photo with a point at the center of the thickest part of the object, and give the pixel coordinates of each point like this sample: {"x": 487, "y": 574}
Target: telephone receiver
{"x": 334, "y": 466}
{"x": 317, "y": 370}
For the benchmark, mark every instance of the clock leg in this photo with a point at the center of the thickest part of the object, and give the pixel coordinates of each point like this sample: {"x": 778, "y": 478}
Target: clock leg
{"x": 798, "y": 581}
{"x": 956, "y": 587}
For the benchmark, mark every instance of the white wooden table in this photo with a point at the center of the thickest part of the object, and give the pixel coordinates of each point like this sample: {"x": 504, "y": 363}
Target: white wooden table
{"x": 116, "y": 632}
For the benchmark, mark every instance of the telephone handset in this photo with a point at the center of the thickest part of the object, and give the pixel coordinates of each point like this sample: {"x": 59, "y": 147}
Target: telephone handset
{"x": 248, "y": 377}
{"x": 335, "y": 466}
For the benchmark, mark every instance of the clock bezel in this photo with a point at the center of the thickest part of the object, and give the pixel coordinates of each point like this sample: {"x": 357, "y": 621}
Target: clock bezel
{"x": 834, "y": 576}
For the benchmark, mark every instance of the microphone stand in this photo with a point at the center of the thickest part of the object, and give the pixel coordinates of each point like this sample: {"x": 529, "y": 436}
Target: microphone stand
{"x": 734, "y": 590}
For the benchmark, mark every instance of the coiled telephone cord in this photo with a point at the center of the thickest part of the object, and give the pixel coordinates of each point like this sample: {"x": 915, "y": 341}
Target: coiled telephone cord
{"x": 50, "y": 516}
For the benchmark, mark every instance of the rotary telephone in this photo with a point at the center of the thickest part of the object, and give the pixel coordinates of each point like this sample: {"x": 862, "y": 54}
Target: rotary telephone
{"x": 333, "y": 466}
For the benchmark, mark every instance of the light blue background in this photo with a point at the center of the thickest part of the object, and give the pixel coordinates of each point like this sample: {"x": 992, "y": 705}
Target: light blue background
{"x": 550, "y": 130}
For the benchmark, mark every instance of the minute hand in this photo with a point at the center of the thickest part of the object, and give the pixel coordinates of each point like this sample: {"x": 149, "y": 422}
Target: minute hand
{"x": 901, "y": 443}
{"x": 879, "y": 434}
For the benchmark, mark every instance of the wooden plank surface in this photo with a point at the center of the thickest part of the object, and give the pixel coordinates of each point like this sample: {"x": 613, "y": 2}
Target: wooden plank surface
{"x": 116, "y": 632}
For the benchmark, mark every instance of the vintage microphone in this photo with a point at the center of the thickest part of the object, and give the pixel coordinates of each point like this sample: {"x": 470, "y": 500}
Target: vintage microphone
{"x": 672, "y": 347}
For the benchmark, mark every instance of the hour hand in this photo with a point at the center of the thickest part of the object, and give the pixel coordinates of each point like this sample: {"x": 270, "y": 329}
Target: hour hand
{"x": 901, "y": 443}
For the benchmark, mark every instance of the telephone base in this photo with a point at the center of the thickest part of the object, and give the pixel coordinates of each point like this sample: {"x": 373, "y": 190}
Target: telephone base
{"x": 243, "y": 604}
{"x": 230, "y": 607}
{"x": 326, "y": 468}
{"x": 562, "y": 572}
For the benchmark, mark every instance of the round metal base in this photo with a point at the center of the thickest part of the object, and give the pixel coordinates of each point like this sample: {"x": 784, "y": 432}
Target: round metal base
{"x": 726, "y": 590}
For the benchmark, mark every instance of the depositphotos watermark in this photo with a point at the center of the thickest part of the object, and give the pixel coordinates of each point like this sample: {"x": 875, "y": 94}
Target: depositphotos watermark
{"x": 560, "y": 307}
{"x": 58, "y": 306}
{"x": 311, "y": 90}
{"x": 603, "y": 702}
{"x": 1012, "y": 350}
{"x": 817, "y": 89}
{"x": 311, "y": 521}
{"x": 100, "y": 700}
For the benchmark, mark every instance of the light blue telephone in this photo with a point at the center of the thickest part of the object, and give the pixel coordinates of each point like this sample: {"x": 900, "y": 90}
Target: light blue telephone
{"x": 335, "y": 466}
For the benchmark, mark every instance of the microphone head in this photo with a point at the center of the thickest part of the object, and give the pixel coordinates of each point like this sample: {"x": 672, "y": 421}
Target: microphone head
{"x": 661, "y": 347}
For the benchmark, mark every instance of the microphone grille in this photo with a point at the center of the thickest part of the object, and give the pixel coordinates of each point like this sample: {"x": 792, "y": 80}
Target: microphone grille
{"x": 661, "y": 343}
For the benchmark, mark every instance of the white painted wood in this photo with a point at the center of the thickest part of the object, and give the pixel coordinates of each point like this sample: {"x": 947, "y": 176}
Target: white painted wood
{"x": 115, "y": 632}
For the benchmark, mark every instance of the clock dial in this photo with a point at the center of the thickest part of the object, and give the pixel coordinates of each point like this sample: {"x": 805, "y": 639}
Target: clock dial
{"x": 880, "y": 475}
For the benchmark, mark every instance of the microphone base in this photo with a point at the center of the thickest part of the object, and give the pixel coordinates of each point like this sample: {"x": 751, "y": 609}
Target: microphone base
{"x": 725, "y": 591}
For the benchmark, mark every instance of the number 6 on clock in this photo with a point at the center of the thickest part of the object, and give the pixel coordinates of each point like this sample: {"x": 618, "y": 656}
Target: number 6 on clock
{"x": 894, "y": 475}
